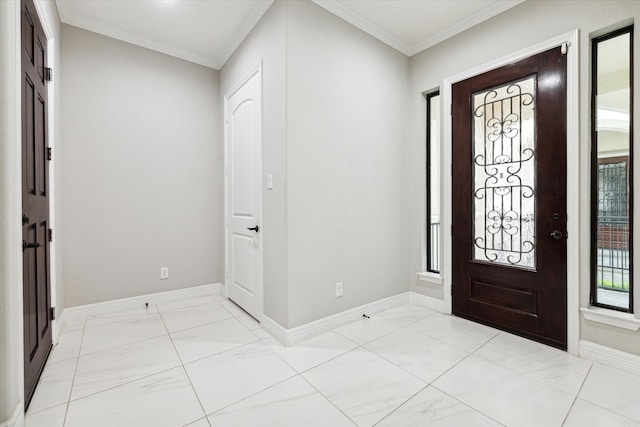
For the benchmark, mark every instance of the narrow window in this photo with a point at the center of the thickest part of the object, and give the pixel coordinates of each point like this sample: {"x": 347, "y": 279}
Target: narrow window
{"x": 433, "y": 182}
{"x": 612, "y": 171}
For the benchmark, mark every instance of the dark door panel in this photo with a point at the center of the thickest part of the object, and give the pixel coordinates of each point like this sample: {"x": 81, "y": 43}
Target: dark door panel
{"x": 35, "y": 200}
{"x": 509, "y": 199}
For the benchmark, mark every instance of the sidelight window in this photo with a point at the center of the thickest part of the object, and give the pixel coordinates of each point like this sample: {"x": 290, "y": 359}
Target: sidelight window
{"x": 433, "y": 182}
{"x": 612, "y": 171}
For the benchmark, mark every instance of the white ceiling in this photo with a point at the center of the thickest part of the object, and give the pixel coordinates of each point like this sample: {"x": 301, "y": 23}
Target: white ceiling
{"x": 208, "y": 31}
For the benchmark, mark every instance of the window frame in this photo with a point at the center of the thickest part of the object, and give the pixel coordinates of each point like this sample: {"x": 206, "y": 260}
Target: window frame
{"x": 593, "y": 300}
{"x": 428, "y": 97}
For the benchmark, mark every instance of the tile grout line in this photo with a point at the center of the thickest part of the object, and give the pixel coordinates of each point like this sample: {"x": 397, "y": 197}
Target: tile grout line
{"x": 75, "y": 372}
{"x": 381, "y": 336}
{"x": 326, "y": 398}
{"x": 184, "y": 369}
{"x": 467, "y": 405}
{"x": 573, "y": 402}
{"x": 252, "y": 394}
{"x": 401, "y": 405}
{"x": 362, "y": 347}
{"x": 592, "y": 403}
{"x": 430, "y": 383}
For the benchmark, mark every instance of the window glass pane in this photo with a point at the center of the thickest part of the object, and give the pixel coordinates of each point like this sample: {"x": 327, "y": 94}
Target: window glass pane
{"x": 612, "y": 171}
{"x": 504, "y": 159}
{"x": 433, "y": 183}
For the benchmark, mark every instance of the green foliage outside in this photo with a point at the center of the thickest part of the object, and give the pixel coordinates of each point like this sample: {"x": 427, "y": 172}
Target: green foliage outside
{"x": 608, "y": 284}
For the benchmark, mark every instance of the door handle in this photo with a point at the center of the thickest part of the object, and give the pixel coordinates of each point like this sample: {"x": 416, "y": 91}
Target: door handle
{"x": 25, "y": 219}
{"x": 26, "y": 245}
{"x": 256, "y": 228}
{"x": 556, "y": 234}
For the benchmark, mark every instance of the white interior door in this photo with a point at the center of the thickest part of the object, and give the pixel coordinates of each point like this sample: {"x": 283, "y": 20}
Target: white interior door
{"x": 243, "y": 173}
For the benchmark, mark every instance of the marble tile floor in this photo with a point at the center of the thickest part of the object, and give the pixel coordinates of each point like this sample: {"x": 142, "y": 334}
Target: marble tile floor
{"x": 202, "y": 362}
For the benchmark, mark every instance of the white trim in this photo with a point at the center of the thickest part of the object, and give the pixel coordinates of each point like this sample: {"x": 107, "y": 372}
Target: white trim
{"x": 82, "y": 312}
{"x": 431, "y": 303}
{"x": 433, "y": 278}
{"x": 58, "y": 325}
{"x": 45, "y": 20}
{"x": 311, "y": 329}
{"x": 128, "y": 37}
{"x": 344, "y": 12}
{"x": 260, "y": 286}
{"x": 259, "y": 9}
{"x": 610, "y": 356}
{"x": 17, "y": 417}
{"x": 243, "y": 31}
{"x": 611, "y": 317}
{"x": 457, "y": 28}
{"x": 573, "y": 172}
{"x": 359, "y": 21}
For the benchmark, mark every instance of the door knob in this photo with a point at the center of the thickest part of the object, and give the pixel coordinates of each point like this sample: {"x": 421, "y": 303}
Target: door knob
{"x": 556, "y": 234}
{"x": 26, "y": 245}
{"x": 256, "y": 228}
{"x": 25, "y": 219}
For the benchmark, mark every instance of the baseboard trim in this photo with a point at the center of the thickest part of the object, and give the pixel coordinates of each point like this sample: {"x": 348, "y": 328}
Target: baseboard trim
{"x": 82, "y": 312}
{"x": 58, "y": 325}
{"x": 610, "y": 356}
{"x": 426, "y": 301}
{"x": 316, "y": 327}
{"x": 17, "y": 418}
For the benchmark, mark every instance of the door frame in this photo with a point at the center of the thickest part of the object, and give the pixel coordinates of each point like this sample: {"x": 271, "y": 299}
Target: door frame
{"x": 260, "y": 279}
{"x": 51, "y": 86}
{"x": 571, "y": 39}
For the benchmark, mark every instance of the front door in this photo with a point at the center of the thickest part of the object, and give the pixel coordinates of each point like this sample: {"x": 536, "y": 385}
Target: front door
{"x": 243, "y": 146}
{"x": 509, "y": 198}
{"x": 35, "y": 200}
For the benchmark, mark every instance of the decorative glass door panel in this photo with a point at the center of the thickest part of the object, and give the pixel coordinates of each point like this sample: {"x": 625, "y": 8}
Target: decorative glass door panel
{"x": 509, "y": 222}
{"x": 503, "y": 183}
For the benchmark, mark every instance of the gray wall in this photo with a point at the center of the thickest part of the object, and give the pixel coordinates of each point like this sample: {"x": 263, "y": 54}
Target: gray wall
{"x": 266, "y": 43}
{"x": 521, "y": 27}
{"x": 333, "y": 139}
{"x": 141, "y": 171}
{"x": 346, "y": 148}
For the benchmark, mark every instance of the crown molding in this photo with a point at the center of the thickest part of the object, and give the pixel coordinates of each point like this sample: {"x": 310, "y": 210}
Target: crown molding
{"x": 141, "y": 41}
{"x": 125, "y": 36}
{"x": 338, "y": 8}
{"x": 243, "y": 31}
{"x": 495, "y": 9}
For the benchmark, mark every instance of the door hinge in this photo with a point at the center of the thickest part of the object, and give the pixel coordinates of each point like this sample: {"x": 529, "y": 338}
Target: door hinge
{"x": 49, "y": 153}
{"x": 48, "y": 74}
{"x": 564, "y": 48}
{"x": 53, "y": 313}
{"x": 51, "y": 234}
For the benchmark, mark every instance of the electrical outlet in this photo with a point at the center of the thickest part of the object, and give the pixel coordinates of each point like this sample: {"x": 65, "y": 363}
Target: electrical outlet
{"x": 339, "y": 289}
{"x": 164, "y": 273}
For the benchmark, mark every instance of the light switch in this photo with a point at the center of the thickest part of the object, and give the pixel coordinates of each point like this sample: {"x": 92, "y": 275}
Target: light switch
{"x": 269, "y": 182}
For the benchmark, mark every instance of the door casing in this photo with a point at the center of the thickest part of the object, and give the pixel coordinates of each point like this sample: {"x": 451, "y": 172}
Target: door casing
{"x": 573, "y": 173}
{"x": 51, "y": 90}
{"x": 227, "y": 255}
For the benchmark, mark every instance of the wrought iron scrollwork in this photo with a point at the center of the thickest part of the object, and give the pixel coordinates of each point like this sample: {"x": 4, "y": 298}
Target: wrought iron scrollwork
{"x": 504, "y": 161}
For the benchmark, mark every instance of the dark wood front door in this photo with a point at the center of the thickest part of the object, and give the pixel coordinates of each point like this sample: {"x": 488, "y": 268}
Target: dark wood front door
{"x": 35, "y": 199}
{"x": 509, "y": 198}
